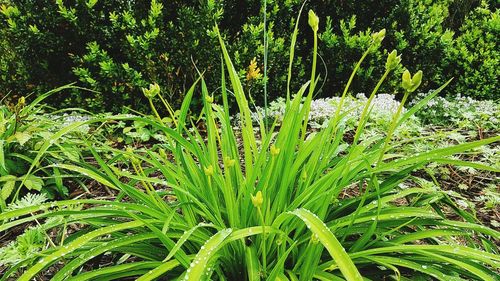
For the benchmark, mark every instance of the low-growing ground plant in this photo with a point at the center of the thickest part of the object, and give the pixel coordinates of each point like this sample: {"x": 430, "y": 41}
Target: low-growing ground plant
{"x": 466, "y": 112}
{"x": 224, "y": 204}
{"x": 24, "y": 128}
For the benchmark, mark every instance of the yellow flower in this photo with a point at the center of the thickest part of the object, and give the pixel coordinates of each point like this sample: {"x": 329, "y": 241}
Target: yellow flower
{"x": 253, "y": 72}
{"x": 258, "y": 199}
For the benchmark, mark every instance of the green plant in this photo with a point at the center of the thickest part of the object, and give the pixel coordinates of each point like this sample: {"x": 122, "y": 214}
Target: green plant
{"x": 114, "y": 48}
{"x": 271, "y": 209}
{"x": 473, "y": 58}
{"x": 463, "y": 112}
{"x": 423, "y": 37}
{"x": 117, "y": 47}
{"x": 24, "y": 127}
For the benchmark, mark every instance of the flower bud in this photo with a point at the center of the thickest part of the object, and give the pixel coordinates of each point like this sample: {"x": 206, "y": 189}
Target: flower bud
{"x": 377, "y": 37}
{"x": 258, "y": 199}
{"x": 409, "y": 83}
{"x": 274, "y": 150}
{"x": 406, "y": 79}
{"x": 304, "y": 175}
{"x": 209, "y": 99}
{"x": 131, "y": 156}
{"x": 392, "y": 60}
{"x": 129, "y": 150}
{"x": 313, "y": 21}
{"x": 163, "y": 153}
{"x": 416, "y": 80}
{"x": 314, "y": 238}
{"x": 154, "y": 90}
{"x": 21, "y": 101}
{"x": 209, "y": 170}
{"x": 229, "y": 162}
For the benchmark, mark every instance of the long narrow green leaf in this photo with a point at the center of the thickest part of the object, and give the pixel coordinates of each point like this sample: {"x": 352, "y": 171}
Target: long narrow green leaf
{"x": 77, "y": 243}
{"x": 68, "y": 269}
{"x": 199, "y": 264}
{"x": 117, "y": 271}
{"x": 331, "y": 243}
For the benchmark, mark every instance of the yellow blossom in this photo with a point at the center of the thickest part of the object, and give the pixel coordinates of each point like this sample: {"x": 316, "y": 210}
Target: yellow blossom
{"x": 253, "y": 72}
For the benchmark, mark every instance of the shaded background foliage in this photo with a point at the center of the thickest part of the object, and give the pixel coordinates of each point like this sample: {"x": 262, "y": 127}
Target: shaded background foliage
{"x": 117, "y": 47}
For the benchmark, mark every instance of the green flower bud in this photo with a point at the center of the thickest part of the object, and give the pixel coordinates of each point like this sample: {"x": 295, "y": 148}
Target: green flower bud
{"x": 314, "y": 238}
{"x": 229, "y": 162}
{"x": 377, "y": 37}
{"x": 258, "y": 199}
{"x": 313, "y": 21}
{"x": 409, "y": 83}
{"x": 392, "y": 60}
{"x": 406, "y": 79}
{"x": 163, "y": 153}
{"x": 21, "y": 101}
{"x": 154, "y": 90}
{"x": 304, "y": 175}
{"x": 274, "y": 150}
{"x": 130, "y": 156}
{"x": 416, "y": 80}
{"x": 209, "y": 99}
{"x": 209, "y": 170}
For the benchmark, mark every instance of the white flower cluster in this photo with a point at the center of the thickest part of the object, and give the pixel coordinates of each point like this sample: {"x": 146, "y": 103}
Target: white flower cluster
{"x": 465, "y": 112}
{"x": 383, "y": 108}
{"x": 66, "y": 120}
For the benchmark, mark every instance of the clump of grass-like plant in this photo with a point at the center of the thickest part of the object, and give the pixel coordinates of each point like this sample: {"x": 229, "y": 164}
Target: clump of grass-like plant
{"x": 248, "y": 208}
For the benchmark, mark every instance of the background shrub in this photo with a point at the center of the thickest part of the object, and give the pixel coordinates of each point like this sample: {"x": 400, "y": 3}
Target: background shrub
{"x": 114, "y": 47}
{"x": 474, "y": 55}
{"x": 117, "y": 47}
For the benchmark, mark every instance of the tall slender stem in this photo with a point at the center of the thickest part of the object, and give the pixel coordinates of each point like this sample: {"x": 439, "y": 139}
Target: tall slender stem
{"x": 312, "y": 85}
{"x": 392, "y": 128}
{"x": 265, "y": 64}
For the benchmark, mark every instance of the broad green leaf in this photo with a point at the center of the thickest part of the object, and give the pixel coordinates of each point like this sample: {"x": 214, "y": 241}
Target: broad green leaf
{"x": 86, "y": 172}
{"x": 252, "y": 263}
{"x": 33, "y": 182}
{"x": 183, "y": 239}
{"x": 8, "y": 185}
